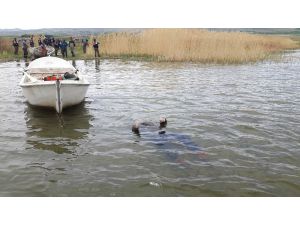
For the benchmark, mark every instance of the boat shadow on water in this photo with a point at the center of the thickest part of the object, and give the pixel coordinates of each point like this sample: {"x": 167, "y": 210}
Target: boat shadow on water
{"x": 47, "y": 130}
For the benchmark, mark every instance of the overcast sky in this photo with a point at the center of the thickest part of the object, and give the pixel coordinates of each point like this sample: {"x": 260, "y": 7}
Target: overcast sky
{"x": 34, "y": 14}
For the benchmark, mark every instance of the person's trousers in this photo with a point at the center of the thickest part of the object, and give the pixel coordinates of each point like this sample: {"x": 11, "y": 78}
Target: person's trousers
{"x": 64, "y": 53}
{"x": 16, "y": 50}
{"x": 25, "y": 54}
{"x": 72, "y": 52}
{"x": 97, "y": 54}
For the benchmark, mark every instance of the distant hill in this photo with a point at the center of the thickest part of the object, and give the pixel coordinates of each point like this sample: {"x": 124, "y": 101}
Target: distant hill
{"x": 63, "y": 31}
{"x": 281, "y": 31}
{"x": 95, "y": 31}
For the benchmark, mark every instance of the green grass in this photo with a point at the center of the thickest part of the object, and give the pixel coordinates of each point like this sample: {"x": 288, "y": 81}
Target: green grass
{"x": 9, "y": 56}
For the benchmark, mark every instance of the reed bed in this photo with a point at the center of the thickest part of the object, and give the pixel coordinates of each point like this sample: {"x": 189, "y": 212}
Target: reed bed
{"x": 6, "y": 48}
{"x": 194, "y": 45}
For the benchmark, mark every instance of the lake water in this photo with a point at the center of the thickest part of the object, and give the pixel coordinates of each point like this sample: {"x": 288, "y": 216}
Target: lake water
{"x": 233, "y": 130}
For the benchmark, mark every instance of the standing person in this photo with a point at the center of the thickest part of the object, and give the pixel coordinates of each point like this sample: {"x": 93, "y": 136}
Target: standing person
{"x": 44, "y": 50}
{"x": 49, "y": 41}
{"x": 85, "y": 43}
{"x": 45, "y": 41}
{"x": 56, "y": 46}
{"x": 25, "y": 49}
{"x": 96, "y": 47}
{"x": 16, "y": 46}
{"x": 31, "y": 43}
{"x": 72, "y": 46}
{"x": 64, "y": 49}
{"x": 40, "y": 41}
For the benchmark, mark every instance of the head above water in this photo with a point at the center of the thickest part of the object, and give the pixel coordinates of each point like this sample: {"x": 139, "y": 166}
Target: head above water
{"x": 162, "y": 122}
{"x": 138, "y": 124}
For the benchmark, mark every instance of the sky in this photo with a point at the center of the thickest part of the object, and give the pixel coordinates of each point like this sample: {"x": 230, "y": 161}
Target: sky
{"x": 32, "y": 14}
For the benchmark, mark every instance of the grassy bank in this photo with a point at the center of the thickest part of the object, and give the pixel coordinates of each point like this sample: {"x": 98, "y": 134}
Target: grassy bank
{"x": 195, "y": 45}
{"x": 184, "y": 45}
{"x": 6, "y": 50}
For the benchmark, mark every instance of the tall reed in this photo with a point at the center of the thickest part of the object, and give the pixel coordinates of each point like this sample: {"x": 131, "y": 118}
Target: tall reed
{"x": 5, "y": 46}
{"x": 195, "y": 45}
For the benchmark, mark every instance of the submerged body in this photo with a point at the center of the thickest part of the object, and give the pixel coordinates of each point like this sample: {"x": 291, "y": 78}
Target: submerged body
{"x": 44, "y": 83}
{"x": 173, "y": 144}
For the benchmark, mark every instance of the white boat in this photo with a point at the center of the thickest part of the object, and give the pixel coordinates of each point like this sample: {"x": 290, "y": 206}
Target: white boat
{"x": 53, "y": 82}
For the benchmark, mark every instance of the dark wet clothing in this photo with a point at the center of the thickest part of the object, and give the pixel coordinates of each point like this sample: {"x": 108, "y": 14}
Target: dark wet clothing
{"x": 180, "y": 139}
{"x": 167, "y": 139}
{"x": 173, "y": 145}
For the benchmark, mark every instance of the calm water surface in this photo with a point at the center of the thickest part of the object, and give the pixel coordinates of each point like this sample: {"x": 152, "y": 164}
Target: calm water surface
{"x": 232, "y": 131}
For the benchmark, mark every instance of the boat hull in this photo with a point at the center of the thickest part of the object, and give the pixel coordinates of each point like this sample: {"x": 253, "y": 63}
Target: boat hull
{"x": 46, "y": 94}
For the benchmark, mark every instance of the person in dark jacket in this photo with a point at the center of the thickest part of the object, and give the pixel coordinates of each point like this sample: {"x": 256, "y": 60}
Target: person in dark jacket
{"x": 56, "y": 46}
{"x": 46, "y": 41}
{"x": 85, "y": 44}
{"x": 31, "y": 42}
{"x": 25, "y": 49}
{"x": 72, "y": 46}
{"x": 16, "y": 46}
{"x": 49, "y": 41}
{"x": 96, "y": 48}
{"x": 64, "y": 49}
{"x": 40, "y": 41}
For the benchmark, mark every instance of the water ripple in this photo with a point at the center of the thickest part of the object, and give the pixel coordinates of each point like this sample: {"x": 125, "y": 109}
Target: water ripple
{"x": 232, "y": 131}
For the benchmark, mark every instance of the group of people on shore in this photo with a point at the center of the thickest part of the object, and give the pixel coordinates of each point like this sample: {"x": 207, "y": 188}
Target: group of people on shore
{"x": 57, "y": 44}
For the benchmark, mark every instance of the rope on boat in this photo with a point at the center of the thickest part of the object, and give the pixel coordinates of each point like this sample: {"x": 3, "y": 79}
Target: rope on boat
{"x": 58, "y": 104}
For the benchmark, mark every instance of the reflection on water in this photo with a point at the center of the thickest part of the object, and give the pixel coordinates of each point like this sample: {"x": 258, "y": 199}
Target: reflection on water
{"x": 27, "y": 61}
{"x": 46, "y": 130}
{"x": 74, "y": 63}
{"x": 97, "y": 64}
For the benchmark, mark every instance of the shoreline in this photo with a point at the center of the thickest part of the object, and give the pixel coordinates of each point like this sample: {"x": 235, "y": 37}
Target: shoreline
{"x": 271, "y": 56}
{"x": 176, "y": 45}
